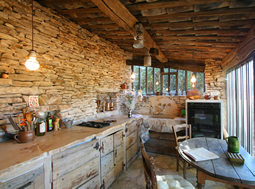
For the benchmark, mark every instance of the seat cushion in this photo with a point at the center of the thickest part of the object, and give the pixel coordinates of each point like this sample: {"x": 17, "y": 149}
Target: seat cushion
{"x": 173, "y": 182}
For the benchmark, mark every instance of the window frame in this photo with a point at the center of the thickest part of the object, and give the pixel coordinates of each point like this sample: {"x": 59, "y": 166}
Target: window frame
{"x": 162, "y": 73}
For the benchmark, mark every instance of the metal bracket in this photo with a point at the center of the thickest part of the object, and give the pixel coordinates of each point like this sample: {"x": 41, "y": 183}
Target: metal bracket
{"x": 97, "y": 146}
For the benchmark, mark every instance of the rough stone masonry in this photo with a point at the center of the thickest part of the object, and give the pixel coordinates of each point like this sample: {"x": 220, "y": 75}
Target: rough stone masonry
{"x": 74, "y": 63}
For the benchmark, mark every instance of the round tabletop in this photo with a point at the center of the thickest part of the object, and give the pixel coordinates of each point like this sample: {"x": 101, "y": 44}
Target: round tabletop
{"x": 221, "y": 167}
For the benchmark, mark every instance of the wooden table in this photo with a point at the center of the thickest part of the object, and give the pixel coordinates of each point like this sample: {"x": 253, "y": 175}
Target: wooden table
{"x": 221, "y": 169}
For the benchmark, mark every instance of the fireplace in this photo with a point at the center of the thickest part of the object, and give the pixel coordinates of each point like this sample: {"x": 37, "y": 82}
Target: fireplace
{"x": 205, "y": 117}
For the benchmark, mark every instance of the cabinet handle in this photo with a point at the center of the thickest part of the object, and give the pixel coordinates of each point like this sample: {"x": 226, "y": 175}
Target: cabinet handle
{"x": 126, "y": 130}
{"x": 103, "y": 185}
{"x": 26, "y": 185}
{"x": 97, "y": 146}
{"x": 123, "y": 135}
{"x": 102, "y": 148}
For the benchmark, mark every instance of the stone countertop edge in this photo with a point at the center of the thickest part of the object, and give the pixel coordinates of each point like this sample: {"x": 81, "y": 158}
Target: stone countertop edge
{"x": 15, "y": 155}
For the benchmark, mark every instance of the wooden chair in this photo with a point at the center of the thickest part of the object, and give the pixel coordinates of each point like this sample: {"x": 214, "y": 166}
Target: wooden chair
{"x": 181, "y": 133}
{"x": 160, "y": 182}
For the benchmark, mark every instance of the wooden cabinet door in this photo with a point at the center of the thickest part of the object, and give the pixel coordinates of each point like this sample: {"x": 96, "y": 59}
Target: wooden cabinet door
{"x": 106, "y": 145}
{"x": 118, "y": 168}
{"x": 32, "y": 179}
{"x": 91, "y": 184}
{"x": 76, "y": 165}
{"x": 118, "y": 138}
{"x": 131, "y": 154}
{"x": 107, "y": 164}
{"x": 131, "y": 127}
{"x": 131, "y": 139}
{"x": 119, "y": 153}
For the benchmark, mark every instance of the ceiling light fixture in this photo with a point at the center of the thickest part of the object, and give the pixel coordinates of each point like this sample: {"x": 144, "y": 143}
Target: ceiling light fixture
{"x": 147, "y": 59}
{"x": 138, "y": 36}
{"x": 32, "y": 63}
{"x": 193, "y": 80}
{"x": 132, "y": 77}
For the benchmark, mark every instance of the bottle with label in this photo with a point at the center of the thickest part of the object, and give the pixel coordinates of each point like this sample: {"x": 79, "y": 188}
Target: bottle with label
{"x": 40, "y": 127}
{"x": 49, "y": 122}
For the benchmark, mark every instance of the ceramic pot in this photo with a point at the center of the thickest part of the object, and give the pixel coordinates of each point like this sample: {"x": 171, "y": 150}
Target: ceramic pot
{"x": 25, "y": 136}
{"x": 233, "y": 144}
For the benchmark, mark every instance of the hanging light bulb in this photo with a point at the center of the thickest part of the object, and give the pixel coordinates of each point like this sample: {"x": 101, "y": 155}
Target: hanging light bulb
{"x": 147, "y": 59}
{"x": 193, "y": 80}
{"x": 132, "y": 77}
{"x": 157, "y": 83}
{"x": 32, "y": 63}
{"x": 138, "y": 36}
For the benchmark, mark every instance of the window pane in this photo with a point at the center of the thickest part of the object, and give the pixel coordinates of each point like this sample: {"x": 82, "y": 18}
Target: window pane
{"x": 189, "y": 84}
{"x": 165, "y": 83}
{"x": 166, "y": 70}
{"x": 157, "y": 80}
{"x": 173, "y": 84}
{"x": 173, "y": 70}
{"x": 150, "y": 80}
{"x": 136, "y": 82}
{"x": 143, "y": 79}
{"x": 181, "y": 80}
{"x": 240, "y": 105}
{"x": 200, "y": 81}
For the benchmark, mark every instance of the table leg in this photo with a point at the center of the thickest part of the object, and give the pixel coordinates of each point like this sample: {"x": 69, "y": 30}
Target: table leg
{"x": 200, "y": 180}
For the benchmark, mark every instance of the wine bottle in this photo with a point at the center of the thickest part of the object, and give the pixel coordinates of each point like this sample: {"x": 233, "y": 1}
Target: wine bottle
{"x": 40, "y": 127}
{"x": 49, "y": 122}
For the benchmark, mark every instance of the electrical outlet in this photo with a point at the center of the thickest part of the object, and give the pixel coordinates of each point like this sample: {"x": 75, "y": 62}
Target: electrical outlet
{"x": 214, "y": 93}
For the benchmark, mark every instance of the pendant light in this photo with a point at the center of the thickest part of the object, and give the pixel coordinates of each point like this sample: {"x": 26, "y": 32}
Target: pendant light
{"x": 132, "y": 77}
{"x": 193, "y": 80}
{"x": 147, "y": 59}
{"x": 138, "y": 36}
{"x": 32, "y": 63}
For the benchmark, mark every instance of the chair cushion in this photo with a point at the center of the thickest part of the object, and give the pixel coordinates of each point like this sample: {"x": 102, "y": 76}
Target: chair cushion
{"x": 173, "y": 182}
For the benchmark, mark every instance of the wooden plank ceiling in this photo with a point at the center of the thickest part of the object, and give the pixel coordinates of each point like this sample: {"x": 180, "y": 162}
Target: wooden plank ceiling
{"x": 186, "y": 32}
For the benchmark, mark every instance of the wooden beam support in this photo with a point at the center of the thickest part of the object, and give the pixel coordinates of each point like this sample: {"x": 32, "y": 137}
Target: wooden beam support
{"x": 168, "y": 4}
{"x": 242, "y": 51}
{"x": 122, "y": 17}
{"x": 225, "y": 11}
{"x": 182, "y": 65}
{"x": 230, "y": 32}
{"x": 198, "y": 24}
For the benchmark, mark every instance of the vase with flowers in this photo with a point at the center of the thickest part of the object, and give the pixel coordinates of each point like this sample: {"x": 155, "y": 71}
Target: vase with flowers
{"x": 130, "y": 100}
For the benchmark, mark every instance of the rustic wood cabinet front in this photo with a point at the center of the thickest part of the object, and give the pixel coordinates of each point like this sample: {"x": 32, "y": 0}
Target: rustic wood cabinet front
{"x": 76, "y": 166}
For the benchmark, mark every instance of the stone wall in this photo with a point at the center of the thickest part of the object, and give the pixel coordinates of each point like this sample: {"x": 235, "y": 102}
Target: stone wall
{"x": 75, "y": 65}
{"x": 215, "y": 81}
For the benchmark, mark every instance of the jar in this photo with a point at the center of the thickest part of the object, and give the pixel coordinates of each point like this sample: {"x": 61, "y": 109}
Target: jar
{"x": 5, "y": 75}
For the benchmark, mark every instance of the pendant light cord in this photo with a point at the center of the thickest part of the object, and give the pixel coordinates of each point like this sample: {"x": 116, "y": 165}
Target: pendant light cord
{"x": 32, "y": 25}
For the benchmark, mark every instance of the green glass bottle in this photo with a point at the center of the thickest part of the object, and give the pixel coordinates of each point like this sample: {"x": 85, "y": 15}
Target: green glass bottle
{"x": 49, "y": 122}
{"x": 40, "y": 127}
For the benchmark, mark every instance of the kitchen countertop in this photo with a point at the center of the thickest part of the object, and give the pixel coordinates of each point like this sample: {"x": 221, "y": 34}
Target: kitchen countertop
{"x": 17, "y": 154}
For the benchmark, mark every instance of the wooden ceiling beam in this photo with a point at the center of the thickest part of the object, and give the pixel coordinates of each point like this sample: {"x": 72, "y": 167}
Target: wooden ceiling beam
{"x": 198, "y": 24}
{"x": 242, "y": 51}
{"x": 235, "y": 32}
{"x": 61, "y": 2}
{"x": 197, "y": 66}
{"x": 224, "y": 11}
{"x": 227, "y": 39}
{"x": 122, "y": 17}
{"x": 168, "y": 4}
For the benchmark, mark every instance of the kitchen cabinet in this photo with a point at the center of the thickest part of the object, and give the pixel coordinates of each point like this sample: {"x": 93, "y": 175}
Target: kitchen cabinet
{"x": 112, "y": 157}
{"x": 76, "y": 166}
{"x": 29, "y": 175}
{"x": 132, "y": 144}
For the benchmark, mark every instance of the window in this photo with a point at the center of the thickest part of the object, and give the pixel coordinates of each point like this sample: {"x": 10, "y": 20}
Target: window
{"x": 240, "y": 105}
{"x": 167, "y": 80}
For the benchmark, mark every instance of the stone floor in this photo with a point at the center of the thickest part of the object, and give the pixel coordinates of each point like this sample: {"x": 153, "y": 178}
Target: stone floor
{"x": 133, "y": 178}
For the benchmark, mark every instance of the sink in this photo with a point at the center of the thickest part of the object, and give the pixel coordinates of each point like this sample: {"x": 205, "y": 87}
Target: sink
{"x": 161, "y": 116}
